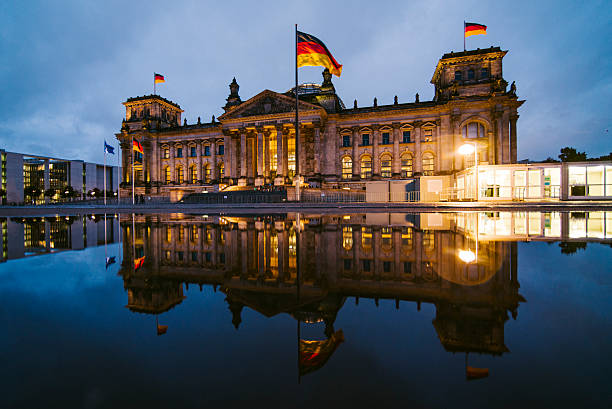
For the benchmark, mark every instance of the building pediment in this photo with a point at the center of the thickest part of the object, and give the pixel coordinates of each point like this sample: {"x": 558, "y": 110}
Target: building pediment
{"x": 267, "y": 103}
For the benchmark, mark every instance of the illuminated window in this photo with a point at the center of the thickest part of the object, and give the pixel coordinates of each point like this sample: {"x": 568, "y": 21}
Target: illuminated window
{"x": 406, "y": 165}
{"x": 207, "y": 173}
{"x": 429, "y": 240}
{"x": 347, "y": 167}
{"x": 273, "y": 153}
{"x": 181, "y": 234}
{"x": 406, "y": 238}
{"x": 168, "y": 234}
{"x": 473, "y": 130}
{"x": 180, "y": 177}
{"x": 291, "y": 155}
{"x": 192, "y": 174}
{"x": 386, "y": 239}
{"x": 366, "y": 167}
{"x": 427, "y": 135}
{"x": 167, "y": 254}
{"x": 167, "y": 175}
{"x": 347, "y": 237}
{"x": 194, "y": 233}
{"x": 366, "y": 238}
{"x": 165, "y": 153}
{"x": 428, "y": 164}
{"x": 221, "y": 170}
{"x": 385, "y": 166}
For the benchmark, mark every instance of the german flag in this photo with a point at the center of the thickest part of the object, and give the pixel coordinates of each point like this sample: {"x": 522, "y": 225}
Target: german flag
{"x": 158, "y": 78}
{"x": 138, "y": 147}
{"x": 139, "y": 262}
{"x": 312, "y": 52}
{"x": 472, "y": 29}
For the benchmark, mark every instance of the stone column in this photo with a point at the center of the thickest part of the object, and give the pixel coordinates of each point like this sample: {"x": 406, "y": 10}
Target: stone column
{"x": 396, "y": 165}
{"x": 199, "y": 166}
{"x": 317, "y": 150}
{"x": 267, "y": 153}
{"x": 513, "y": 140}
{"x": 375, "y": 153}
{"x": 259, "y": 143}
{"x": 438, "y": 161}
{"x": 491, "y": 147}
{"x": 279, "y": 151}
{"x": 173, "y": 163}
{"x": 243, "y": 155}
{"x": 418, "y": 162}
{"x": 229, "y": 151}
{"x": 213, "y": 160}
{"x": 155, "y": 166}
{"x": 506, "y": 137}
{"x": 285, "y": 152}
{"x": 499, "y": 148}
{"x": 355, "y": 155}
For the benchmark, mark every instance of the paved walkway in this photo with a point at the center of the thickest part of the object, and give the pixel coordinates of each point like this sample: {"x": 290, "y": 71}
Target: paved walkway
{"x": 267, "y": 208}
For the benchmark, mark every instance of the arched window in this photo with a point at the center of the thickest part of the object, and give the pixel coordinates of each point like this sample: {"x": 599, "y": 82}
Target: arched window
{"x": 207, "y": 173}
{"x": 406, "y": 169}
{"x": 347, "y": 237}
{"x": 386, "y": 239}
{"x": 347, "y": 167}
{"x": 473, "y": 130}
{"x": 180, "y": 176}
{"x": 385, "y": 166}
{"x": 366, "y": 238}
{"x": 366, "y": 167}
{"x": 428, "y": 164}
{"x": 192, "y": 174}
{"x": 221, "y": 170}
{"x": 167, "y": 174}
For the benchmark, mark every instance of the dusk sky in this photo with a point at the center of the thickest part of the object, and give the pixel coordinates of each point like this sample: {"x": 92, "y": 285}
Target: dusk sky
{"x": 66, "y": 66}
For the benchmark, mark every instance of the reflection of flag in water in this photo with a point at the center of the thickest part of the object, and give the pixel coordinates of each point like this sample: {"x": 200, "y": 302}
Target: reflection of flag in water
{"x": 161, "y": 329}
{"x": 138, "y": 263}
{"x": 109, "y": 261}
{"x": 472, "y": 373}
{"x": 314, "y": 354}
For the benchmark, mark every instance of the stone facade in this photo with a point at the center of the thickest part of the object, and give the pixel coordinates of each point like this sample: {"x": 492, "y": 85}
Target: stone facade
{"x": 254, "y": 142}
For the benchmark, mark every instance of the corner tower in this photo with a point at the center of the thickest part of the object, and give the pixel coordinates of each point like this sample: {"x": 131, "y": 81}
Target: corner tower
{"x": 157, "y": 111}
{"x": 469, "y": 73}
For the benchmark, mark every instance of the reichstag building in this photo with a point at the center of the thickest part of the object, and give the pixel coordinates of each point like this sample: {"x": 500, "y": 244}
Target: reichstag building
{"x": 253, "y": 142}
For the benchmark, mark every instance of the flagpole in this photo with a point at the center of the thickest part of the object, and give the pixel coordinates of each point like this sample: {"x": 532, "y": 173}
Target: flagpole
{"x": 118, "y": 170}
{"x": 133, "y": 201}
{"x": 463, "y": 35}
{"x": 297, "y": 125}
{"x": 105, "y": 178}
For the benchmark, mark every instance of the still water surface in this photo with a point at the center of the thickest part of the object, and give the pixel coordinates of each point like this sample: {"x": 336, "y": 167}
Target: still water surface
{"x": 434, "y": 310}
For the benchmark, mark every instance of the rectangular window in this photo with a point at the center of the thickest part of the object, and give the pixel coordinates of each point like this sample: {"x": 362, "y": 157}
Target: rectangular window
{"x": 385, "y": 138}
{"x": 192, "y": 151}
{"x": 207, "y": 256}
{"x": 577, "y": 180}
{"x": 346, "y": 141}
{"x": 595, "y": 180}
{"x": 427, "y": 135}
{"x": 484, "y": 73}
{"x": 365, "y": 139}
{"x": 366, "y": 265}
{"x": 179, "y": 152}
{"x": 194, "y": 256}
{"x": 347, "y": 263}
{"x": 179, "y": 255}
{"x": 406, "y": 137}
{"x": 207, "y": 150}
{"x": 221, "y": 149}
{"x": 407, "y": 267}
{"x": 386, "y": 266}
{"x": 166, "y": 153}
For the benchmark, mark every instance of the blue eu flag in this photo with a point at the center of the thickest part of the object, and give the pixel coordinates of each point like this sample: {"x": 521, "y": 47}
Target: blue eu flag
{"x": 108, "y": 148}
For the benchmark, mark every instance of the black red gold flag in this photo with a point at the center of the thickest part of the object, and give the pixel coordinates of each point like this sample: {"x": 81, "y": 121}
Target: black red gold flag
{"x": 314, "y": 354}
{"x": 158, "y": 78}
{"x": 472, "y": 29}
{"x": 312, "y": 52}
{"x": 138, "y": 146}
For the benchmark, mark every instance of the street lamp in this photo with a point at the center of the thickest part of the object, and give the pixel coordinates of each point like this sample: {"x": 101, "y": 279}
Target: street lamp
{"x": 466, "y": 149}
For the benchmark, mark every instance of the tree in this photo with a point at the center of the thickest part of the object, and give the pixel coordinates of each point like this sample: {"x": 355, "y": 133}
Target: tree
{"x": 50, "y": 193}
{"x": 571, "y": 155}
{"x": 67, "y": 192}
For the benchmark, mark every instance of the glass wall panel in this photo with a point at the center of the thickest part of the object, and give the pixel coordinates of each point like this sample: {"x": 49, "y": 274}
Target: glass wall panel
{"x": 596, "y": 225}
{"x": 535, "y": 223}
{"x": 552, "y": 224}
{"x": 595, "y": 180}
{"x": 520, "y": 183}
{"x": 577, "y": 225}
{"x": 504, "y": 183}
{"x": 577, "y": 180}
{"x": 552, "y": 182}
{"x": 534, "y": 188}
{"x": 608, "y": 180}
{"x": 520, "y": 223}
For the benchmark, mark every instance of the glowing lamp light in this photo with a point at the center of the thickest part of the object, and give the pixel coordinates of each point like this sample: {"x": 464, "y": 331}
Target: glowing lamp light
{"x": 467, "y": 256}
{"x": 466, "y": 149}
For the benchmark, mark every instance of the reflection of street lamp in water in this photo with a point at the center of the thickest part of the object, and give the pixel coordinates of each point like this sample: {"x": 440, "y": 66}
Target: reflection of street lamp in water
{"x": 468, "y": 256}
{"x": 466, "y": 149}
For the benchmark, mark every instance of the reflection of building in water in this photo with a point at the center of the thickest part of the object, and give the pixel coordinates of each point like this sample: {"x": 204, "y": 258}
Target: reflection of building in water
{"x": 378, "y": 256}
{"x": 27, "y": 236}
